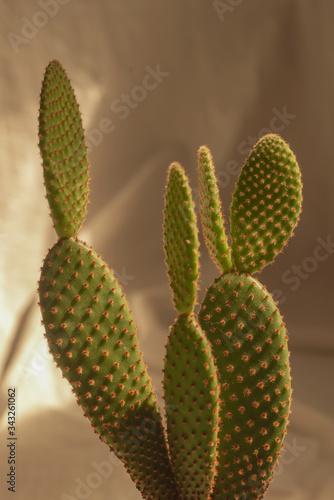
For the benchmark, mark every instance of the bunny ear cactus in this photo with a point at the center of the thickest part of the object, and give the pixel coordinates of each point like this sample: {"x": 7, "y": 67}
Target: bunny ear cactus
{"x": 89, "y": 326}
{"x": 226, "y": 374}
{"x": 190, "y": 378}
{"x": 241, "y": 319}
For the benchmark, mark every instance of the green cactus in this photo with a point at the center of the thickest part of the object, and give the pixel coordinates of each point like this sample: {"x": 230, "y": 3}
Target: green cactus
{"x": 64, "y": 152}
{"x": 88, "y": 323}
{"x": 181, "y": 240}
{"x": 241, "y": 319}
{"x": 211, "y": 214}
{"x": 190, "y": 378}
{"x": 226, "y": 379}
{"x": 266, "y": 204}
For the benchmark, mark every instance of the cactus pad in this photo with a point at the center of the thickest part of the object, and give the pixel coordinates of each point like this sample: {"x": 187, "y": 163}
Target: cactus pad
{"x": 266, "y": 204}
{"x": 181, "y": 240}
{"x": 249, "y": 343}
{"x": 211, "y": 212}
{"x": 191, "y": 397}
{"x": 92, "y": 337}
{"x": 64, "y": 153}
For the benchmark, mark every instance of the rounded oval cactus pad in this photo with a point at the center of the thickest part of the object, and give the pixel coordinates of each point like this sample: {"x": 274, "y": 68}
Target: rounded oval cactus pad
{"x": 249, "y": 343}
{"x": 266, "y": 204}
{"x": 92, "y": 337}
{"x": 64, "y": 152}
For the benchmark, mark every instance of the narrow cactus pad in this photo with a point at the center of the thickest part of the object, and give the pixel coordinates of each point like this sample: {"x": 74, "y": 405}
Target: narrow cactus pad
{"x": 266, "y": 204}
{"x": 92, "y": 337}
{"x": 181, "y": 240}
{"x": 211, "y": 213}
{"x": 249, "y": 344}
{"x": 64, "y": 152}
{"x": 191, "y": 397}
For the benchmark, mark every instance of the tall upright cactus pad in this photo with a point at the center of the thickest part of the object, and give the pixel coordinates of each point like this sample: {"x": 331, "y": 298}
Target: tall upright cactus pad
{"x": 181, "y": 240}
{"x": 266, "y": 204}
{"x": 92, "y": 337}
{"x": 64, "y": 152}
{"x": 211, "y": 213}
{"x": 88, "y": 323}
{"x": 190, "y": 378}
{"x": 249, "y": 344}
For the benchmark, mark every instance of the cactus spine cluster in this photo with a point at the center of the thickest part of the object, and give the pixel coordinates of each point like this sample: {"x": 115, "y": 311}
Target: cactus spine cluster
{"x": 226, "y": 376}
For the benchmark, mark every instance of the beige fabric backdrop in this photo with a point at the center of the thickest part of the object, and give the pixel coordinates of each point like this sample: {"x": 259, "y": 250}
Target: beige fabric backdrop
{"x": 226, "y": 73}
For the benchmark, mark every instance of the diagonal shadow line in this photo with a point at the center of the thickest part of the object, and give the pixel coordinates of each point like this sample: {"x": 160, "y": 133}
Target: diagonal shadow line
{"x": 18, "y": 335}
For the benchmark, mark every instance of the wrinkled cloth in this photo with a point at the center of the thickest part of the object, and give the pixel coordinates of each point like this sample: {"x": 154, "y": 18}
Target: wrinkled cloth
{"x": 155, "y": 80}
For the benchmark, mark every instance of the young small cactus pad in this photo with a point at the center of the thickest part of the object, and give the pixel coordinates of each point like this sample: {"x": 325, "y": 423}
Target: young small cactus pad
{"x": 64, "y": 152}
{"x": 190, "y": 378}
{"x": 181, "y": 240}
{"x": 211, "y": 213}
{"x": 241, "y": 319}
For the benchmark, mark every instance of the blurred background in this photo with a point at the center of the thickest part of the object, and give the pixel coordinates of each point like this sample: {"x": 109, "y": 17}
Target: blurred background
{"x": 221, "y": 73}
